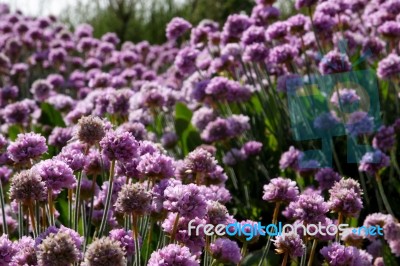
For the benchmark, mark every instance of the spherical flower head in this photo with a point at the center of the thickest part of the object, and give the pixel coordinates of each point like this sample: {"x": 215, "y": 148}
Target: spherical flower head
{"x": 120, "y": 146}
{"x": 289, "y": 243}
{"x": 252, "y": 148}
{"x": 298, "y": 23}
{"x": 226, "y": 89}
{"x": 389, "y": 66}
{"x": 345, "y": 197}
{"x": 200, "y": 161}
{"x": 226, "y": 251}
{"x": 262, "y": 15}
{"x": 345, "y": 98}
{"x": 256, "y": 52}
{"x": 372, "y": 162}
{"x": 202, "y": 116}
{"x": 27, "y": 146}
{"x": 337, "y": 255}
{"x": 156, "y": 165}
{"x": 104, "y": 252}
{"x": 56, "y": 174}
{"x": 17, "y": 113}
{"x": 384, "y": 139}
{"x": 304, "y": 3}
{"x": 359, "y": 123}
{"x": 326, "y": 122}
{"x": 60, "y": 136}
{"x": 125, "y": 238}
{"x": 176, "y": 28}
{"x": 7, "y": 250}
{"x": 57, "y": 249}
{"x": 186, "y": 200}
{"x": 233, "y": 157}
{"x": 282, "y": 54}
{"x": 41, "y": 90}
{"x": 27, "y": 186}
{"x": 169, "y": 140}
{"x": 216, "y": 213}
{"x": 185, "y": 61}
{"x": 390, "y": 30}
{"x": 334, "y": 62}
{"x": 281, "y": 190}
{"x": 133, "y": 199}
{"x": 234, "y": 26}
{"x": 290, "y": 159}
{"x": 172, "y": 255}
{"x": 326, "y": 178}
{"x": 289, "y": 83}
{"x": 309, "y": 208}
{"x": 73, "y": 155}
{"x": 216, "y": 193}
{"x": 25, "y": 252}
{"x": 5, "y": 174}
{"x": 90, "y": 130}
{"x": 254, "y": 34}
{"x": 278, "y": 30}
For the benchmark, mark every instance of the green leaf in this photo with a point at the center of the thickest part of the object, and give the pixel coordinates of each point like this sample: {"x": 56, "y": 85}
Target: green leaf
{"x": 182, "y": 111}
{"x": 51, "y": 116}
{"x": 388, "y": 258}
{"x": 13, "y": 132}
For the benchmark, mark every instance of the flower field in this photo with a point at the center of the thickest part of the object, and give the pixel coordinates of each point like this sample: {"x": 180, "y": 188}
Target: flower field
{"x": 135, "y": 154}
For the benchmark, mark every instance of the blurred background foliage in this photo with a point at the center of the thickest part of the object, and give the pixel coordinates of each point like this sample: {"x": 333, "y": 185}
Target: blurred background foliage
{"x": 137, "y": 20}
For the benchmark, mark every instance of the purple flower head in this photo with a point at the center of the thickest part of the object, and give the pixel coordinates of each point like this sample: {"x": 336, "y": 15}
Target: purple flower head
{"x": 298, "y": 23}
{"x": 119, "y": 146}
{"x": 359, "y": 123}
{"x": 56, "y": 174}
{"x": 262, "y": 15}
{"x": 305, "y": 3}
{"x": 59, "y": 137}
{"x": 334, "y": 62}
{"x": 281, "y": 190}
{"x": 225, "y": 251}
{"x": 338, "y": 255}
{"x": 345, "y": 197}
{"x": 61, "y": 102}
{"x": 125, "y": 239}
{"x": 309, "y": 208}
{"x": 277, "y": 31}
{"x": 27, "y": 146}
{"x": 185, "y": 61}
{"x": 256, "y": 52}
{"x": 186, "y": 200}
{"x": 326, "y": 178}
{"x": 156, "y": 165}
{"x": 288, "y": 83}
{"x": 200, "y": 161}
{"x": 326, "y": 121}
{"x": 233, "y": 157}
{"x": 234, "y": 26}
{"x": 110, "y": 37}
{"x": 216, "y": 130}
{"x": 57, "y": 56}
{"x": 73, "y": 155}
{"x": 289, "y": 243}
{"x": 202, "y": 116}
{"x": 8, "y": 93}
{"x": 25, "y": 252}
{"x": 252, "y": 148}
{"x": 328, "y": 8}
{"x": 41, "y": 90}
{"x": 290, "y": 159}
{"x": 27, "y": 186}
{"x": 282, "y": 54}
{"x": 105, "y": 251}
{"x": 221, "y": 88}
{"x": 176, "y": 28}
{"x": 389, "y": 66}
{"x": 254, "y": 34}
{"x": 5, "y": 174}
{"x": 373, "y": 161}
{"x": 390, "y": 30}
{"x": 172, "y": 255}
{"x": 345, "y": 98}
{"x": 217, "y": 213}
{"x": 385, "y": 138}
{"x": 101, "y": 80}
{"x": 7, "y": 250}
{"x": 17, "y": 113}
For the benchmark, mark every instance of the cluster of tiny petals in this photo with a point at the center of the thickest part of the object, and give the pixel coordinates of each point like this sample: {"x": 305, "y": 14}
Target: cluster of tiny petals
{"x": 27, "y": 146}
{"x": 280, "y": 190}
{"x": 119, "y": 146}
{"x": 133, "y": 199}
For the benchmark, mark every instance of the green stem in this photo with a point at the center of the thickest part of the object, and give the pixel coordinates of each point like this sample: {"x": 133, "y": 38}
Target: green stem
{"x": 108, "y": 199}
{"x": 3, "y": 212}
{"x": 312, "y": 254}
{"x": 383, "y": 195}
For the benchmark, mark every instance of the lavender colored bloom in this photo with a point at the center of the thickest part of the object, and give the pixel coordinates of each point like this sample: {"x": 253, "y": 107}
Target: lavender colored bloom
{"x": 176, "y": 28}
{"x": 17, "y": 113}
{"x": 217, "y": 213}
{"x": 225, "y": 251}
{"x": 345, "y": 98}
{"x": 289, "y": 83}
{"x": 338, "y": 255}
{"x": 289, "y": 243}
{"x": 185, "y": 61}
{"x": 27, "y": 186}
{"x": 119, "y": 146}
{"x": 61, "y": 102}
{"x": 202, "y": 116}
{"x": 334, "y": 62}
{"x": 326, "y": 178}
{"x": 27, "y": 146}
{"x": 252, "y": 148}
{"x": 282, "y": 54}
{"x": 305, "y": 3}
{"x": 298, "y": 23}
{"x": 389, "y": 66}
{"x": 41, "y": 90}
{"x": 373, "y": 161}
{"x": 224, "y": 89}
{"x": 281, "y": 190}
{"x": 25, "y": 252}
{"x": 5, "y": 174}
{"x": 59, "y": 137}
{"x": 359, "y": 123}
{"x": 186, "y": 200}
{"x": 290, "y": 159}
{"x": 200, "y": 161}
{"x": 216, "y": 130}
{"x": 384, "y": 139}
{"x": 56, "y": 174}
{"x": 234, "y": 26}
{"x": 105, "y": 251}
{"x": 254, "y": 34}
{"x": 326, "y": 121}
{"x": 256, "y": 52}
{"x": 309, "y": 208}
{"x": 125, "y": 239}
{"x": 73, "y": 155}
{"x": 156, "y": 165}
{"x": 262, "y": 15}
{"x": 345, "y": 197}
{"x": 277, "y": 31}
{"x": 133, "y": 199}
{"x": 390, "y": 29}
{"x": 7, "y": 250}
{"x": 373, "y": 46}
{"x": 172, "y": 255}
{"x": 233, "y": 157}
